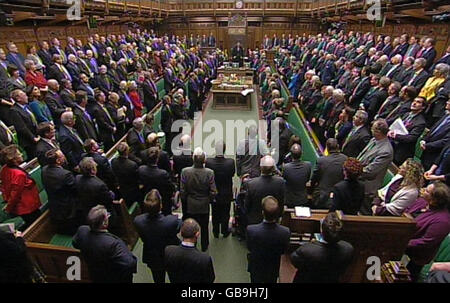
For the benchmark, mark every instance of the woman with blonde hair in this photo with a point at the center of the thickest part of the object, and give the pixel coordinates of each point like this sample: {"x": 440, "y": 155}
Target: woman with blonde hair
{"x": 394, "y": 204}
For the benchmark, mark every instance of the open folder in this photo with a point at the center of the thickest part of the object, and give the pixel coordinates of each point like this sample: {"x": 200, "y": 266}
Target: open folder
{"x": 399, "y": 127}
{"x": 304, "y": 212}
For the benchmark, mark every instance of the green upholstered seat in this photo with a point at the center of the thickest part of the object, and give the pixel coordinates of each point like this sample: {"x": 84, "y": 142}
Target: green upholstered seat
{"x": 62, "y": 240}
{"x": 442, "y": 256}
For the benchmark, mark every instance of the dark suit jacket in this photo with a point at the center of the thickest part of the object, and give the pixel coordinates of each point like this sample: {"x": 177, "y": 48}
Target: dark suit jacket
{"x": 296, "y": 174}
{"x": 188, "y": 265}
{"x": 224, "y": 171}
{"x": 197, "y": 189}
{"x": 84, "y": 126}
{"x": 24, "y": 125}
{"x": 435, "y": 142}
{"x": 91, "y": 192}
{"x": 46, "y": 58}
{"x": 361, "y": 90}
{"x": 104, "y": 84}
{"x": 125, "y": 171}
{"x": 157, "y": 233}
{"x": 70, "y": 146}
{"x": 56, "y": 105}
{"x": 267, "y": 242}
{"x": 68, "y": 98}
{"x": 348, "y": 197}
{"x": 17, "y": 61}
{"x": 83, "y": 87}
{"x": 180, "y": 162}
{"x": 321, "y": 263}
{"x": 74, "y": 71}
{"x": 429, "y": 55}
{"x": 374, "y": 101}
{"x": 55, "y": 73}
{"x": 405, "y": 145}
{"x": 257, "y": 190}
{"x": 327, "y": 173}
{"x": 42, "y": 147}
{"x": 60, "y": 187}
{"x": 153, "y": 177}
{"x": 419, "y": 81}
{"x": 105, "y": 125}
{"x": 137, "y": 145}
{"x": 108, "y": 258}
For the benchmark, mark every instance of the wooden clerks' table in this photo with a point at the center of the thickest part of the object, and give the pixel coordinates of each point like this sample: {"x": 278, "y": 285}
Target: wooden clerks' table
{"x": 233, "y": 89}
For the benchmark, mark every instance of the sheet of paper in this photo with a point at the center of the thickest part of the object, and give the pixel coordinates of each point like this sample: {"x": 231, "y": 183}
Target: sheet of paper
{"x": 304, "y": 212}
{"x": 399, "y": 127}
{"x": 247, "y": 91}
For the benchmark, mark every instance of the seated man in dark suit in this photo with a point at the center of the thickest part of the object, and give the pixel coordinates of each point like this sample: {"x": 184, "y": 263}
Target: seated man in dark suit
{"x": 266, "y": 242}
{"x": 152, "y": 177}
{"x": 296, "y": 174}
{"x": 59, "y": 184}
{"x": 185, "y": 264}
{"x": 157, "y": 232}
{"x": 266, "y": 185}
{"x": 224, "y": 170}
{"x": 108, "y": 258}
{"x": 125, "y": 171}
{"x": 313, "y": 260}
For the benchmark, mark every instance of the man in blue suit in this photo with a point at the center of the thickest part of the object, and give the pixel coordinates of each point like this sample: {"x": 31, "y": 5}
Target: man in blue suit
{"x": 267, "y": 242}
{"x": 14, "y": 57}
{"x": 157, "y": 232}
{"x": 71, "y": 143}
{"x": 429, "y": 53}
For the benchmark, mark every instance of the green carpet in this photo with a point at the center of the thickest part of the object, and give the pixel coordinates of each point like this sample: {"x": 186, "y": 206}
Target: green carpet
{"x": 229, "y": 255}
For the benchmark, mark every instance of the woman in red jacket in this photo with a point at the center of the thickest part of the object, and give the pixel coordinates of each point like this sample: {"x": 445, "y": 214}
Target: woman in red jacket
{"x": 135, "y": 97}
{"x": 18, "y": 188}
{"x": 33, "y": 77}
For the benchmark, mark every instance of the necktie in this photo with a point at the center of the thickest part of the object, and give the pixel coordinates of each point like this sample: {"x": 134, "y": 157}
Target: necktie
{"x": 350, "y": 135}
{"x": 413, "y": 79}
{"x": 363, "y": 156}
{"x": 107, "y": 113}
{"x": 76, "y": 135}
{"x": 33, "y": 118}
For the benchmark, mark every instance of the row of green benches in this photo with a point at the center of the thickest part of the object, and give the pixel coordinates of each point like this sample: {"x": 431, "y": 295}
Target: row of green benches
{"x": 35, "y": 172}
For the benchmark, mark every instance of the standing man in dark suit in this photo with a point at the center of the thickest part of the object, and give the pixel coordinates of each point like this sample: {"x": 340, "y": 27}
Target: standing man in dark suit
{"x": 429, "y": 53}
{"x": 68, "y": 94}
{"x": 224, "y": 171}
{"x": 249, "y": 153}
{"x": 45, "y": 55}
{"x": 296, "y": 174}
{"x": 327, "y": 173}
{"x": 103, "y": 82}
{"x": 25, "y": 123}
{"x": 16, "y": 58}
{"x": 59, "y": 184}
{"x": 54, "y": 101}
{"x": 198, "y": 191}
{"x": 436, "y": 139}
{"x": 414, "y": 121}
{"x": 108, "y": 258}
{"x": 237, "y": 54}
{"x": 152, "y": 177}
{"x": 157, "y": 232}
{"x": 184, "y": 263}
{"x": 126, "y": 171}
{"x": 444, "y": 59}
{"x": 71, "y": 143}
{"x": 257, "y": 189}
{"x": 58, "y": 71}
{"x": 136, "y": 140}
{"x": 267, "y": 242}
{"x": 84, "y": 122}
{"x": 46, "y": 131}
{"x": 358, "y": 137}
{"x": 106, "y": 125}
{"x": 182, "y": 158}
{"x": 313, "y": 259}
{"x": 361, "y": 88}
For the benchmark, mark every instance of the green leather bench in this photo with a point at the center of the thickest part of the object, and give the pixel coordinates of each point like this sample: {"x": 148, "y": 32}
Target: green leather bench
{"x": 442, "y": 256}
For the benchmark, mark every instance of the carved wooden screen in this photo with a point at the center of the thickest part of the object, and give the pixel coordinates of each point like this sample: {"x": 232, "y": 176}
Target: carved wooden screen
{"x": 237, "y": 31}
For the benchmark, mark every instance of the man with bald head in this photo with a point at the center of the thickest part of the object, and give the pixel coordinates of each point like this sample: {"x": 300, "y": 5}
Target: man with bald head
{"x": 198, "y": 190}
{"x": 267, "y": 242}
{"x": 268, "y": 184}
{"x": 54, "y": 101}
{"x": 182, "y": 157}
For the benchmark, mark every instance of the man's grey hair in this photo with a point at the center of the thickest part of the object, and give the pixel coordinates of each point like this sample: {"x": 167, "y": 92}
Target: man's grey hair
{"x": 66, "y": 117}
{"x": 138, "y": 123}
{"x": 363, "y": 115}
{"x": 443, "y": 69}
{"x": 87, "y": 165}
{"x": 97, "y": 216}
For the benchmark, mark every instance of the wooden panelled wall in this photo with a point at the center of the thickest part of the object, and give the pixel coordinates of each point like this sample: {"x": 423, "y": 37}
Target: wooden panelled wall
{"x": 440, "y": 32}
{"x": 24, "y": 37}
{"x": 255, "y": 34}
